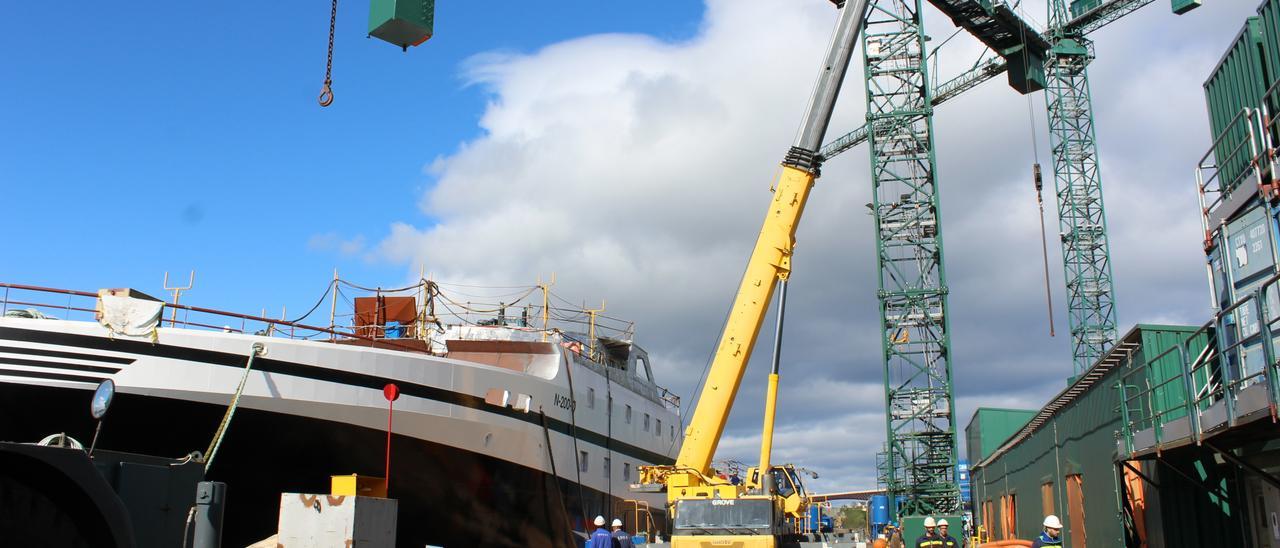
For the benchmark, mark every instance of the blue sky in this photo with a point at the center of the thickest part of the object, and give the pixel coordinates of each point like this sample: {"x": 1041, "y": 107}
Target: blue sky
{"x": 148, "y": 137}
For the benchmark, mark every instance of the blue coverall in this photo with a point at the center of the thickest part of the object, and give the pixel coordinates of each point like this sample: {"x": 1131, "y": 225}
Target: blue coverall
{"x": 600, "y": 538}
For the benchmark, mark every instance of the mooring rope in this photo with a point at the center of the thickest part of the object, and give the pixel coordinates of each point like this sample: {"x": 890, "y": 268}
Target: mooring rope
{"x": 231, "y": 409}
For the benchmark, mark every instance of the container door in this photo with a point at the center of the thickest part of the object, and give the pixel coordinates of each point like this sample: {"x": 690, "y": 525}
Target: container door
{"x": 1075, "y": 511}
{"x": 1264, "y": 508}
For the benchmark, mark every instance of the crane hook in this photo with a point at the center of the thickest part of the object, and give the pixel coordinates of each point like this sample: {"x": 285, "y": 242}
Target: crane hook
{"x": 326, "y": 95}
{"x": 326, "y": 91}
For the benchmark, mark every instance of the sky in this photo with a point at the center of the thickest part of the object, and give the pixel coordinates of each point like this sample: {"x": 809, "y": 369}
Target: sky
{"x": 626, "y": 147}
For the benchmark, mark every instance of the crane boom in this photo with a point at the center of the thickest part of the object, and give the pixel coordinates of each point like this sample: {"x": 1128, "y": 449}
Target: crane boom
{"x": 771, "y": 259}
{"x": 709, "y": 510}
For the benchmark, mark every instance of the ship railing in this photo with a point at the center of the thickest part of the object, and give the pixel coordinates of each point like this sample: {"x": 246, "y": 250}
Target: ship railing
{"x": 1213, "y": 385}
{"x": 669, "y": 397}
{"x": 68, "y": 304}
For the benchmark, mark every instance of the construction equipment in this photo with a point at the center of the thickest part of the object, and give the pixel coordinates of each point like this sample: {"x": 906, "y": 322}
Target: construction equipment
{"x": 918, "y": 464}
{"x": 706, "y": 509}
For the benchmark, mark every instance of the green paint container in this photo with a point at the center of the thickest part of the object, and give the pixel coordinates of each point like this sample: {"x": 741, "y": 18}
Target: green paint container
{"x": 402, "y": 22}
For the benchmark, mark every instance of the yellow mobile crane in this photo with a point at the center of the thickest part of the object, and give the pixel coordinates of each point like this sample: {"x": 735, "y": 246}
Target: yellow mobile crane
{"x": 708, "y": 510}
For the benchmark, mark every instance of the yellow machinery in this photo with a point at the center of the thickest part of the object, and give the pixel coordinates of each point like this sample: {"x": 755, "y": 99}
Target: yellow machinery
{"x": 707, "y": 510}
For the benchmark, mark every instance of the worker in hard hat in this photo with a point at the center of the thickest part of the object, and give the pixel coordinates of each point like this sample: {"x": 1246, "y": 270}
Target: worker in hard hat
{"x": 945, "y": 540}
{"x": 600, "y": 538}
{"x": 620, "y": 535}
{"x": 1052, "y": 535}
{"x": 930, "y": 537}
{"x": 893, "y": 536}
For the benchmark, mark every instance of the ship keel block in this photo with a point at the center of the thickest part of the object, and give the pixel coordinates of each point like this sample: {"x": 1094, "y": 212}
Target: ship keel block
{"x": 315, "y": 521}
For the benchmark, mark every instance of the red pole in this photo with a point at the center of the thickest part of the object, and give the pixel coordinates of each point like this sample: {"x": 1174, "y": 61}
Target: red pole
{"x": 391, "y": 392}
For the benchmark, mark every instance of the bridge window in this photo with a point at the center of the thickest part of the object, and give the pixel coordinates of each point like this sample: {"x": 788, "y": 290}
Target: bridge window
{"x": 657, "y": 429}
{"x": 646, "y": 422}
{"x": 582, "y": 461}
{"x": 591, "y": 398}
{"x": 628, "y": 414}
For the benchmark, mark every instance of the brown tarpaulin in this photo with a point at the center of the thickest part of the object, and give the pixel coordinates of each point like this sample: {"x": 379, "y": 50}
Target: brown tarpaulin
{"x": 373, "y": 313}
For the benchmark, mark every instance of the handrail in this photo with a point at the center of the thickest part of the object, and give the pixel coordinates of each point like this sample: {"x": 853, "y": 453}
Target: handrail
{"x": 247, "y": 317}
{"x": 1219, "y": 371}
{"x": 284, "y": 328}
{"x": 1230, "y": 157}
{"x": 1140, "y": 396}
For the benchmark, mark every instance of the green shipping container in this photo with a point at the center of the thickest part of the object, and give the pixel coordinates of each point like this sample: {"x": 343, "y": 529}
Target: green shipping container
{"x": 990, "y": 427}
{"x": 1237, "y": 83}
{"x": 1165, "y": 365}
{"x": 1269, "y": 20}
{"x": 402, "y": 22}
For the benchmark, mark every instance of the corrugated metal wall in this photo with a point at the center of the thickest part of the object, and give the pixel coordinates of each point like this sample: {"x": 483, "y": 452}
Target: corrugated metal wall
{"x": 1238, "y": 82}
{"x": 1269, "y": 19}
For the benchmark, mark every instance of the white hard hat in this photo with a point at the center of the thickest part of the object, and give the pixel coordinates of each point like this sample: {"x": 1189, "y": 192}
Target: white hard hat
{"x": 928, "y": 522}
{"x": 617, "y": 522}
{"x": 942, "y": 522}
{"x": 1051, "y": 521}
{"x": 600, "y": 521}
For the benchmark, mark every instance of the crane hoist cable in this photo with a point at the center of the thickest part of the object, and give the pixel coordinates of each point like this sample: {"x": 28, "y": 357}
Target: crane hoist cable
{"x": 1044, "y": 243}
{"x": 1039, "y": 182}
{"x": 326, "y": 91}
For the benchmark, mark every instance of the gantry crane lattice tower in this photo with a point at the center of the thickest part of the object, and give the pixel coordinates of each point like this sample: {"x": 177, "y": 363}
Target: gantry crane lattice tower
{"x": 921, "y": 441}
{"x": 1086, "y": 254}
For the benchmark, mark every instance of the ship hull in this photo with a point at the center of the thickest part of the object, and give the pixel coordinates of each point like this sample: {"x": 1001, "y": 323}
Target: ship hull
{"x": 466, "y": 470}
{"x": 447, "y": 496}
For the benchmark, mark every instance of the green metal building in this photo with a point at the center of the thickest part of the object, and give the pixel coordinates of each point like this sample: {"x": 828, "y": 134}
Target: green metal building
{"x": 1170, "y": 438}
{"x": 1070, "y": 459}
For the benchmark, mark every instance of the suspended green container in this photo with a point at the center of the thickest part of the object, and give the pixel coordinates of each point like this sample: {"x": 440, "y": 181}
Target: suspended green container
{"x": 1183, "y": 6}
{"x": 402, "y": 22}
{"x": 1237, "y": 83}
{"x": 1080, "y": 7}
{"x": 1026, "y": 70}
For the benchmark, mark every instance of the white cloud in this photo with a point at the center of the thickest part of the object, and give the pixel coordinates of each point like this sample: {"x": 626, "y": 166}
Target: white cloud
{"x": 638, "y": 169}
{"x": 331, "y": 241}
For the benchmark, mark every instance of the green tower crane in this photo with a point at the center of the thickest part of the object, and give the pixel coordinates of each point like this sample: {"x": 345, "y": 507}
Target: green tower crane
{"x": 919, "y": 459}
{"x": 1086, "y": 256}
{"x": 921, "y": 447}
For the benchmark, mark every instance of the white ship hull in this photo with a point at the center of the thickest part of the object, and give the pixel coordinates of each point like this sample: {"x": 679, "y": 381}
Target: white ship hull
{"x": 470, "y": 461}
